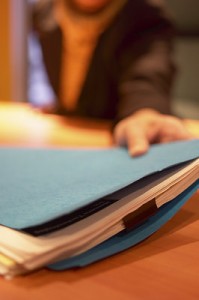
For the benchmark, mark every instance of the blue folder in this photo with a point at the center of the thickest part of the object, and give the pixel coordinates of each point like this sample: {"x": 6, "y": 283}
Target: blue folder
{"x": 127, "y": 239}
{"x": 39, "y": 186}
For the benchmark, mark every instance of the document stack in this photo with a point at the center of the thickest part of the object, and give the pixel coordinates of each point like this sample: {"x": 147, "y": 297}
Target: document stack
{"x": 66, "y": 208}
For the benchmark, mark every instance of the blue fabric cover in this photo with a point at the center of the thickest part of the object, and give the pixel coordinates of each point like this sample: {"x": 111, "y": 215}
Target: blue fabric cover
{"x": 38, "y": 185}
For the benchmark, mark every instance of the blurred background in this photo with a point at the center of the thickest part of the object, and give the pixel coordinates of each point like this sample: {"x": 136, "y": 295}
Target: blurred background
{"x": 186, "y": 92}
{"x": 14, "y": 25}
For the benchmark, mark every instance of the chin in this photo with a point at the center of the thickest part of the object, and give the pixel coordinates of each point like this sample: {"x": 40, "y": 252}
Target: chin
{"x": 88, "y": 6}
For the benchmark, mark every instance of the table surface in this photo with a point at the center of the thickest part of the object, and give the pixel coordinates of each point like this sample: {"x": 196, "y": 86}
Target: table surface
{"x": 165, "y": 266}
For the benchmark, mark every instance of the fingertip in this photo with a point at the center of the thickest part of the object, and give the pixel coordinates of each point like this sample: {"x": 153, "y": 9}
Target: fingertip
{"x": 137, "y": 151}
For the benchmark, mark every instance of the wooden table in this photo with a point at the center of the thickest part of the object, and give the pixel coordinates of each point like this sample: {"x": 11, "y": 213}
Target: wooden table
{"x": 24, "y": 126}
{"x": 165, "y": 266}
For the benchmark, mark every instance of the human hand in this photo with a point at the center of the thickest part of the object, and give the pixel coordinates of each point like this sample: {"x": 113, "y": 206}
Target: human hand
{"x": 146, "y": 127}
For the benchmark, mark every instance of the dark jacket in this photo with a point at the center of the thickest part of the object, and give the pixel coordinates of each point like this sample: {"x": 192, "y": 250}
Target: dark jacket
{"x": 131, "y": 67}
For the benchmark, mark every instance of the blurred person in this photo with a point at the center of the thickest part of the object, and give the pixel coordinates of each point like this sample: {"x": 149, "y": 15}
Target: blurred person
{"x": 109, "y": 59}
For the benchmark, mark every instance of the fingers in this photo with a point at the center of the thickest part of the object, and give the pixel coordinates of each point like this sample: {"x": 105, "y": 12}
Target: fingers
{"x": 137, "y": 132}
{"x": 137, "y": 141}
{"x": 133, "y": 136}
{"x": 173, "y": 129}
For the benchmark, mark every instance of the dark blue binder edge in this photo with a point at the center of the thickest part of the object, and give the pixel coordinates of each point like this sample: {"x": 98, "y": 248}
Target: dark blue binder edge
{"x": 127, "y": 239}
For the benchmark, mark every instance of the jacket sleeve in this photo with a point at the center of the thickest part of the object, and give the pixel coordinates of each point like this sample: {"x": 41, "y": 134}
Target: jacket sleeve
{"x": 148, "y": 69}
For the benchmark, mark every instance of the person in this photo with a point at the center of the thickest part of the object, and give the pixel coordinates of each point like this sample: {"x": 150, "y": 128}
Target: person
{"x": 113, "y": 60}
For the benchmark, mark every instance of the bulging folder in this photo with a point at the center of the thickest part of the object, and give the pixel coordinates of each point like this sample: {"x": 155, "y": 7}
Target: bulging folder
{"x": 71, "y": 207}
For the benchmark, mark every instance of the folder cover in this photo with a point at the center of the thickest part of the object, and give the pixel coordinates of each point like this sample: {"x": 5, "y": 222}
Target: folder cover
{"x": 39, "y": 185}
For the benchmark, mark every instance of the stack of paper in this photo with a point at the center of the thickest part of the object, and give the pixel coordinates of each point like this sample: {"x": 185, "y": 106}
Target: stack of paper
{"x": 74, "y": 206}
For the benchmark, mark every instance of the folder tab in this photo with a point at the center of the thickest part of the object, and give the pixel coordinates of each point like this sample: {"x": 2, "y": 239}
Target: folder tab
{"x": 140, "y": 215}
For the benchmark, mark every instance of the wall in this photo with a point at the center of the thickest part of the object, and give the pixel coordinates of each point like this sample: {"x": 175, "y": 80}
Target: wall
{"x": 13, "y": 51}
{"x": 186, "y": 92}
{"x": 5, "y": 72}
